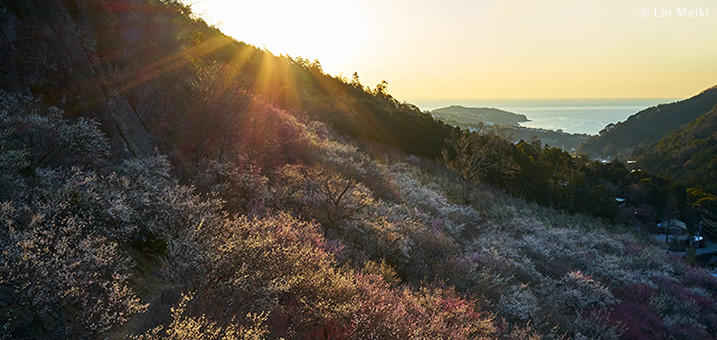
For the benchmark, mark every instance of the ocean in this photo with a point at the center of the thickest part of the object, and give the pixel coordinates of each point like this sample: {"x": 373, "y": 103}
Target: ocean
{"x": 570, "y": 115}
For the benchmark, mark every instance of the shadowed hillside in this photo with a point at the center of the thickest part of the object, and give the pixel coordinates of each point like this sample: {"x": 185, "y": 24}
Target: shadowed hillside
{"x": 648, "y": 126}
{"x": 687, "y": 154}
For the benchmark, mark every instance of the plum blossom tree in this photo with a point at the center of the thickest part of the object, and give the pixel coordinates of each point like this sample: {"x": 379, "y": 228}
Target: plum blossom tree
{"x": 473, "y": 154}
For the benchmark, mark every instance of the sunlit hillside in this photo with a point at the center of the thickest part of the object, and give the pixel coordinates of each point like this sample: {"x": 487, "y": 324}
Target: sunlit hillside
{"x": 160, "y": 180}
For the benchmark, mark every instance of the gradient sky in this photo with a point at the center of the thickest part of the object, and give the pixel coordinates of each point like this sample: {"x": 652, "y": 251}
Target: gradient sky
{"x": 458, "y": 49}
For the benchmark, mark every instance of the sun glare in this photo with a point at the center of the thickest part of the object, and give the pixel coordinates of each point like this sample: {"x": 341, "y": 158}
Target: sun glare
{"x": 317, "y": 29}
{"x": 487, "y": 48}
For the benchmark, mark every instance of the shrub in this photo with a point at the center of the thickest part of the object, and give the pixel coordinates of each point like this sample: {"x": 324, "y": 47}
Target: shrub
{"x": 518, "y": 304}
{"x": 37, "y": 137}
{"x": 275, "y": 265}
{"x": 427, "y": 313}
{"x": 577, "y": 292}
{"x": 64, "y": 277}
{"x": 328, "y": 197}
{"x": 188, "y": 327}
{"x": 239, "y": 184}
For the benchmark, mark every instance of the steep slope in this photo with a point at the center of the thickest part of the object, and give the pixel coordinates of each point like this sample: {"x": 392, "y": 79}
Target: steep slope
{"x": 687, "y": 154}
{"x": 648, "y": 126}
{"x": 310, "y": 251}
{"x": 112, "y": 59}
{"x": 50, "y": 49}
{"x": 273, "y": 220}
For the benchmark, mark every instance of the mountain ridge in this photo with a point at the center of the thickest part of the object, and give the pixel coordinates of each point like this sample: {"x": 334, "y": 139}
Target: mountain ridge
{"x": 648, "y": 126}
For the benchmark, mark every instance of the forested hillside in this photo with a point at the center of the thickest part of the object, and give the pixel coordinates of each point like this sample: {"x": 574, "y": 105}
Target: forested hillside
{"x": 459, "y": 115}
{"x": 141, "y": 67}
{"x": 163, "y": 181}
{"x": 648, "y": 126}
{"x": 687, "y": 154}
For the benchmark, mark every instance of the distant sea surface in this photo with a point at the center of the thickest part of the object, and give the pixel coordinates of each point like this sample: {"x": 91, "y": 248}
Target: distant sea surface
{"x": 571, "y": 115}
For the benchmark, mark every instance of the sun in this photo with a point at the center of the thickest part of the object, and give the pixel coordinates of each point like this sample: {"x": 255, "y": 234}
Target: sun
{"x": 327, "y": 30}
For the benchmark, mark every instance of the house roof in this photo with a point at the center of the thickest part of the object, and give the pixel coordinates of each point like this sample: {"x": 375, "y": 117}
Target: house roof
{"x": 673, "y": 223}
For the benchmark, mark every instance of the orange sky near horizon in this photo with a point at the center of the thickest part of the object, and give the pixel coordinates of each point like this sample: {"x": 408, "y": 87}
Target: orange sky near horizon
{"x": 456, "y": 49}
